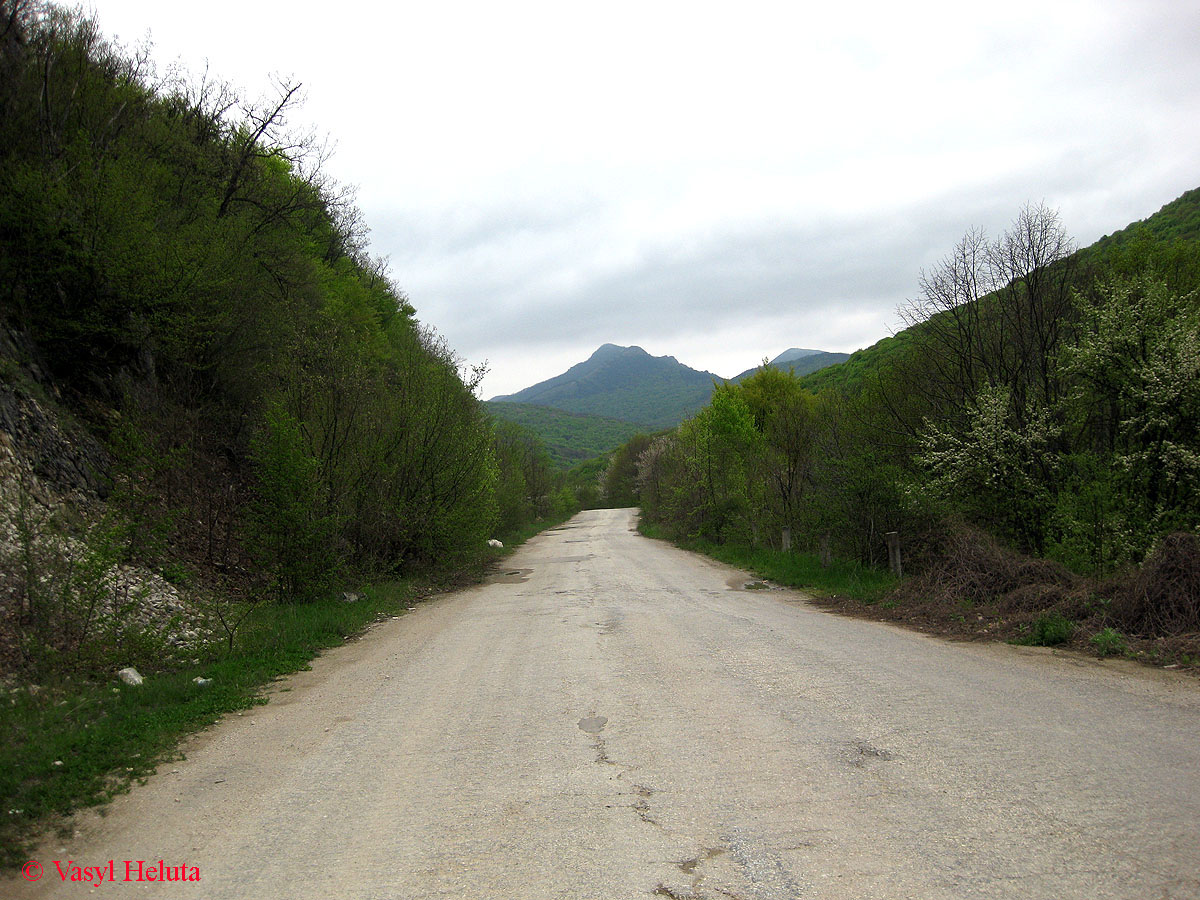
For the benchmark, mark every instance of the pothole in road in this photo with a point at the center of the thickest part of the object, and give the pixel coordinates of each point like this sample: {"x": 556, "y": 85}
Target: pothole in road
{"x": 688, "y": 866}
{"x": 863, "y": 754}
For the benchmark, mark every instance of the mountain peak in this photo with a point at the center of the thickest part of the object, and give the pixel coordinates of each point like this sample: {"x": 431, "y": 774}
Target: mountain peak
{"x": 624, "y": 383}
{"x": 793, "y": 353}
{"x": 612, "y": 351}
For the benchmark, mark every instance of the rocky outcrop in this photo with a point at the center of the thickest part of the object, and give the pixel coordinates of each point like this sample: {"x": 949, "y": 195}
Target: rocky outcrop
{"x": 65, "y": 457}
{"x": 58, "y": 574}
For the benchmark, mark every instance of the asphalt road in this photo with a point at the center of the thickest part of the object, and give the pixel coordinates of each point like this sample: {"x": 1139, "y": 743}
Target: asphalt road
{"x": 618, "y": 719}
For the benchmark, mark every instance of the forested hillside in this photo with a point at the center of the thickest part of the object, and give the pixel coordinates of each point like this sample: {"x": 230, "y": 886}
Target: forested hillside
{"x": 1042, "y": 401}
{"x": 570, "y": 438}
{"x": 1167, "y": 238}
{"x": 182, "y": 282}
{"x": 226, "y": 440}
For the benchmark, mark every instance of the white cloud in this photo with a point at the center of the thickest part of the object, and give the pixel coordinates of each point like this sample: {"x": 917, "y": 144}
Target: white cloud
{"x": 714, "y": 181}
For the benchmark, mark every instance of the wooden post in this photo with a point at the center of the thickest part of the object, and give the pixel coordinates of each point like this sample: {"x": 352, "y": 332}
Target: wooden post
{"x": 825, "y": 555}
{"x": 893, "y": 545}
{"x": 787, "y": 538}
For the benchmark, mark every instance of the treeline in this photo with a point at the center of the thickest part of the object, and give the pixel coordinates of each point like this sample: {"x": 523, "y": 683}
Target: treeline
{"x": 1047, "y": 396}
{"x": 177, "y": 261}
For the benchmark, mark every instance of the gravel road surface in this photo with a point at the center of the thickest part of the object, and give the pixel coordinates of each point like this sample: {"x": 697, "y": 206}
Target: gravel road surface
{"x": 613, "y": 718}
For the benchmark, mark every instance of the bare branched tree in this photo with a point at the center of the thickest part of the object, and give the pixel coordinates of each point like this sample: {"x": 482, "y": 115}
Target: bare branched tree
{"x": 994, "y": 314}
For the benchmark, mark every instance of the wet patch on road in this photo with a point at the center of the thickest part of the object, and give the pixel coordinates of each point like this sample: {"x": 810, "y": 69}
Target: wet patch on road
{"x": 741, "y": 583}
{"x": 593, "y": 724}
{"x": 512, "y": 576}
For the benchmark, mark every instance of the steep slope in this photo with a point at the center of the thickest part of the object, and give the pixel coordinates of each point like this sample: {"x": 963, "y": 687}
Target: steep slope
{"x": 624, "y": 383}
{"x": 1179, "y": 219}
{"x": 1174, "y": 225}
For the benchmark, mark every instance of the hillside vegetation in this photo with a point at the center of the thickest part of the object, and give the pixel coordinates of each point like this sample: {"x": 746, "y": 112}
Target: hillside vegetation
{"x": 570, "y": 438}
{"x": 1033, "y": 437}
{"x": 1165, "y": 240}
{"x": 217, "y": 411}
{"x": 182, "y": 282}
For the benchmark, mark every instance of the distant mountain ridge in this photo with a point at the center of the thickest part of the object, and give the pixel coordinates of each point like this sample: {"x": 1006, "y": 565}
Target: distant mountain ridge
{"x": 629, "y": 384}
{"x": 624, "y": 383}
{"x": 799, "y": 362}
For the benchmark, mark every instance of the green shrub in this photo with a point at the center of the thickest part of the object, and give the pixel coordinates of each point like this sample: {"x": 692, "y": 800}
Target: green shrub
{"x": 1110, "y": 642}
{"x": 290, "y": 537}
{"x": 1050, "y": 630}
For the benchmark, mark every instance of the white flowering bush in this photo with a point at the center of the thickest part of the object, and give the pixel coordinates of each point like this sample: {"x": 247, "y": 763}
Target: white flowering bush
{"x": 996, "y": 469}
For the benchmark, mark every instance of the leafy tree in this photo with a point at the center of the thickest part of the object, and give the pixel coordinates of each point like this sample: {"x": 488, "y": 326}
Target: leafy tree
{"x": 288, "y": 534}
{"x": 620, "y": 477}
{"x": 785, "y": 415}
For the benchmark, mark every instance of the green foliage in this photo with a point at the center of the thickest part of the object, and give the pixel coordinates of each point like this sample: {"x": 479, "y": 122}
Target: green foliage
{"x": 585, "y": 479}
{"x": 841, "y": 577}
{"x": 1000, "y": 468}
{"x": 785, "y": 414}
{"x": 288, "y": 536}
{"x": 569, "y": 437}
{"x": 525, "y": 481}
{"x": 178, "y": 254}
{"x": 1110, "y": 642}
{"x": 1049, "y": 630}
{"x": 1050, "y": 396}
{"x": 620, "y": 478}
{"x": 861, "y": 369}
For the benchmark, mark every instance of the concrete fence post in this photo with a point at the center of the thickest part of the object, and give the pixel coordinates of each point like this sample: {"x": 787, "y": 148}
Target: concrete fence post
{"x": 825, "y": 554}
{"x": 786, "y": 541}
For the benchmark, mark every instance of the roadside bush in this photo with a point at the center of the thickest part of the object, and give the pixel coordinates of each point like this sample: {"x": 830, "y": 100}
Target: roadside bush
{"x": 1163, "y": 598}
{"x": 1050, "y": 630}
{"x": 288, "y": 535}
{"x": 966, "y": 565}
{"x": 1110, "y": 642}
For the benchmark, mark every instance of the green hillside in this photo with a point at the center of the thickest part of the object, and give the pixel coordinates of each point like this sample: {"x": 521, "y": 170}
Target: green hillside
{"x": 624, "y": 383}
{"x": 629, "y": 385}
{"x": 1178, "y": 220}
{"x": 569, "y": 437}
{"x": 1168, "y": 236}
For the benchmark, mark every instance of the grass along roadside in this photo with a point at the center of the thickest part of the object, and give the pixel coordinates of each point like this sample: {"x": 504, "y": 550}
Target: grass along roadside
{"x": 74, "y": 744}
{"x": 1075, "y": 621}
{"x": 798, "y": 570}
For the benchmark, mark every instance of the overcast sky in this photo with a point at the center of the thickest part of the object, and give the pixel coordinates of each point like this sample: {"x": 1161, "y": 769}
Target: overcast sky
{"x": 714, "y": 182}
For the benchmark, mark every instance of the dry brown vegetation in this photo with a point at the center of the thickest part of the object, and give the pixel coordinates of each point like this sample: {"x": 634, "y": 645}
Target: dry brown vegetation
{"x": 966, "y": 585}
